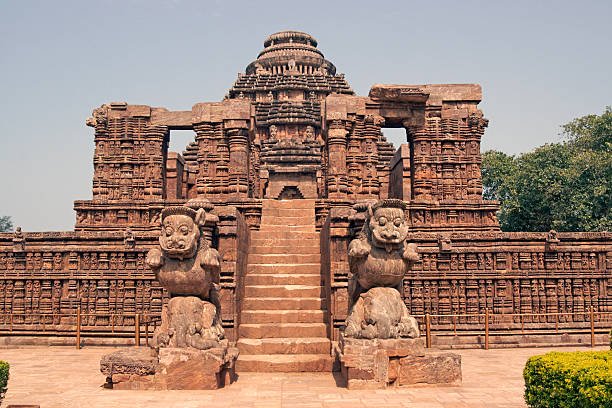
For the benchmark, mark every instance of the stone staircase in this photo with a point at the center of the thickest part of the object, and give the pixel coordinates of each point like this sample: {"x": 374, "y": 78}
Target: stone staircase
{"x": 283, "y": 325}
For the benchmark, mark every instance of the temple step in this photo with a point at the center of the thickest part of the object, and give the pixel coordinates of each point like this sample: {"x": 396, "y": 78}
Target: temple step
{"x": 283, "y": 316}
{"x": 284, "y": 248}
{"x": 267, "y": 330}
{"x": 272, "y": 249}
{"x": 288, "y": 204}
{"x": 284, "y": 258}
{"x": 285, "y": 221}
{"x": 284, "y": 268}
{"x": 283, "y": 279}
{"x": 288, "y": 291}
{"x": 297, "y": 245}
{"x": 290, "y": 212}
{"x": 309, "y": 238}
{"x": 270, "y": 303}
{"x": 284, "y": 363}
{"x": 286, "y": 228}
{"x": 303, "y": 345}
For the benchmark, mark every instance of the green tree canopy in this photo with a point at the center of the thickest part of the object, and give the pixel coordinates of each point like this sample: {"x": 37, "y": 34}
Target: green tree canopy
{"x": 6, "y": 224}
{"x": 563, "y": 186}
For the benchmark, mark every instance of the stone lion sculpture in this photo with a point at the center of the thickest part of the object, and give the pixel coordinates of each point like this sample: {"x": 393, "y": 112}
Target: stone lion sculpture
{"x": 379, "y": 258}
{"x": 188, "y": 268}
{"x": 184, "y": 263}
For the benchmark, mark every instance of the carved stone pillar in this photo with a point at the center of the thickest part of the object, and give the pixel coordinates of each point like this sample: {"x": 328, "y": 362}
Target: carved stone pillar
{"x": 212, "y": 160}
{"x": 337, "y": 175}
{"x": 370, "y": 183}
{"x": 238, "y": 141}
{"x": 153, "y": 174}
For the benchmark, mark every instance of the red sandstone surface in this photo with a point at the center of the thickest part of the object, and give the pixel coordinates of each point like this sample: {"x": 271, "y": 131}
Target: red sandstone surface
{"x": 291, "y": 128}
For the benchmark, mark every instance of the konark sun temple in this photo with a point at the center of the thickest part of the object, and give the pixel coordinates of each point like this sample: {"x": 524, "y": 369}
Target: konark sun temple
{"x": 290, "y": 235}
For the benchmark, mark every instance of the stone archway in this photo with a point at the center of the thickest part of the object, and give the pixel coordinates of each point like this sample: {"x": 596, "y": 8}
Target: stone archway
{"x": 290, "y": 193}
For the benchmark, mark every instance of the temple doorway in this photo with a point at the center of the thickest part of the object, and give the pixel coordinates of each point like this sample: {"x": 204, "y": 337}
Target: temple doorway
{"x": 290, "y": 193}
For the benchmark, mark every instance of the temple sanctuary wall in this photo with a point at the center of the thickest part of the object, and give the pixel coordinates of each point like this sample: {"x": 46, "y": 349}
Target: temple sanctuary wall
{"x": 463, "y": 273}
{"x": 45, "y": 277}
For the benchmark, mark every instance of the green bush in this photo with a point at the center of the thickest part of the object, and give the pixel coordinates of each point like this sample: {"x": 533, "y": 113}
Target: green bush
{"x": 4, "y": 374}
{"x": 568, "y": 380}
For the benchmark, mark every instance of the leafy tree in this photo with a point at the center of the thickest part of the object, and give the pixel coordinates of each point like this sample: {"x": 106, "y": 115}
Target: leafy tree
{"x": 6, "y": 224}
{"x": 563, "y": 186}
{"x": 497, "y": 167}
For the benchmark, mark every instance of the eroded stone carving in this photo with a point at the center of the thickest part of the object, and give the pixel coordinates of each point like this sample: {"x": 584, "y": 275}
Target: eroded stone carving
{"x": 188, "y": 321}
{"x": 380, "y": 344}
{"x": 380, "y": 313}
{"x": 190, "y": 339}
{"x": 188, "y": 268}
{"x": 129, "y": 239}
{"x": 379, "y": 259}
{"x": 18, "y": 240}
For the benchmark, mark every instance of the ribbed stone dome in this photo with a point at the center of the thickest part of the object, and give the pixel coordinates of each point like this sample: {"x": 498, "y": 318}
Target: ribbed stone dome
{"x": 292, "y": 52}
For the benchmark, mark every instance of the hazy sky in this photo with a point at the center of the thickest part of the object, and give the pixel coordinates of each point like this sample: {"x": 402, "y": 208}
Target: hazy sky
{"x": 540, "y": 63}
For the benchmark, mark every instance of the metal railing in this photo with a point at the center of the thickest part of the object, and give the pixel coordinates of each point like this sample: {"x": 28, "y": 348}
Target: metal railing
{"x": 54, "y": 323}
{"x": 134, "y": 325}
{"x": 487, "y": 328}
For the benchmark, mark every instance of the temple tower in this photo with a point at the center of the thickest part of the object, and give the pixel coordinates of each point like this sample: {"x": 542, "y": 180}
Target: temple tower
{"x": 287, "y": 85}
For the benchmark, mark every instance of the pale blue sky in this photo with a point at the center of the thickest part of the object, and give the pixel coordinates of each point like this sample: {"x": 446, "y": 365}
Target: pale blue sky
{"x": 541, "y": 63}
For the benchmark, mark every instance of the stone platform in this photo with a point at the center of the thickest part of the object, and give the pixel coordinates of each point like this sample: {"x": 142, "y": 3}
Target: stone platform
{"x": 380, "y": 363}
{"x": 142, "y": 368}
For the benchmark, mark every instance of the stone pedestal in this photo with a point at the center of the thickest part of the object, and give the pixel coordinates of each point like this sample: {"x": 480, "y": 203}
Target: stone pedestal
{"x": 379, "y": 363}
{"x": 188, "y": 321}
{"x": 171, "y": 368}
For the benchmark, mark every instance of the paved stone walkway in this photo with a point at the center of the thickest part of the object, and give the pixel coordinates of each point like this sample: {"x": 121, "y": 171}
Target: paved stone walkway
{"x": 66, "y": 377}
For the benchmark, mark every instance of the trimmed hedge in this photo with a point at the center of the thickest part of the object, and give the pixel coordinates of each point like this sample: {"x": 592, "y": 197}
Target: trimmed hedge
{"x": 4, "y": 374}
{"x": 569, "y": 380}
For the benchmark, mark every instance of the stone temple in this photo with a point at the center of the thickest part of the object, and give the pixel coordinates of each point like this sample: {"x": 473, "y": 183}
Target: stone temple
{"x": 289, "y": 159}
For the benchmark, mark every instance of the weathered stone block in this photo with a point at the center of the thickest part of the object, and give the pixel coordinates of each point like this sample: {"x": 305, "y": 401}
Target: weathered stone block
{"x": 190, "y": 369}
{"x": 368, "y": 364}
{"x": 137, "y": 360}
{"x": 431, "y": 368}
{"x": 399, "y": 93}
{"x": 171, "y": 369}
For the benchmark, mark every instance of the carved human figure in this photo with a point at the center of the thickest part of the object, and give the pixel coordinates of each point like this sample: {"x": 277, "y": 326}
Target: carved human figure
{"x": 378, "y": 260}
{"x": 18, "y": 240}
{"x": 552, "y": 236}
{"x": 129, "y": 239}
{"x": 260, "y": 70}
{"x": 444, "y": 243}
{"x": 309, "y": 134}
{"x": 273, "y": 133}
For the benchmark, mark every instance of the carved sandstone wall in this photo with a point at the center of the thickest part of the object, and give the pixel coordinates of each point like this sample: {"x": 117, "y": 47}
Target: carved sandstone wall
{"x": 506, "y": 273}
{"x": 47, "y": 276}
